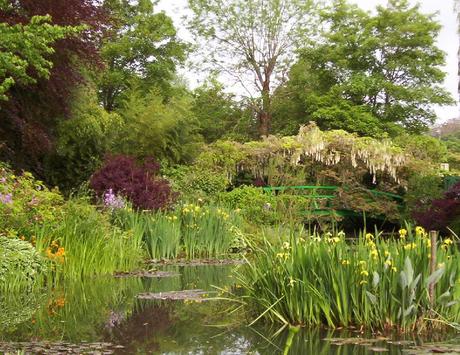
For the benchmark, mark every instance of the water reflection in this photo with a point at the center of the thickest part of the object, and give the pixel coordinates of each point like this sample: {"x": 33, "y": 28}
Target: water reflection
{"x": 106, "y": 310}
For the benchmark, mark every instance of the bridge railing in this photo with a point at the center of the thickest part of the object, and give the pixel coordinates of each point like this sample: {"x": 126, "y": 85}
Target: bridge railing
{"x": 328, "y": 193}
{"x": 329, "y": 189}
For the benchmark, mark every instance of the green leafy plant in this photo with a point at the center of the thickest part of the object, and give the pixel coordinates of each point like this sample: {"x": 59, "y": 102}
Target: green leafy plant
{"x": 20, "y": 263}
{"x": 254, "y": 205}
{"x": 209, "y": 231}
{"x": 86, "y": 243}
{"x": 372, "y": 282}
{"x": 26, "y": 202}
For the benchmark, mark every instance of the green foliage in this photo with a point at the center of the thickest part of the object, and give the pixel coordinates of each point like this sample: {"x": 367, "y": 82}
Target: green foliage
{"x": 423, "y": 147}
{"x": 421, "y": 190}
{"x": 141, "y": 50}
{"x": 90, "y": 244}
{"x": 26, "y": 48}
{"x": 211, "y": 173}
{"x": 19, "y": 262}
{"x": 364, "y": 76}
{"x": 151, "y": 126}
{"x": 191, "y": 230}
{"x": 26, "y": 202}
{"x": 424, "y": 180}
{"x": 221, "y": 156}
{"x": 254, "y": 205}
{"x": 82, "y": 141}
{"x": 194, "y": 182}
{"x": 376, "y": 283}
{"x": 452, "y": 142}
{"x": 218, "y": 113}
{"x": 210, "y": 231}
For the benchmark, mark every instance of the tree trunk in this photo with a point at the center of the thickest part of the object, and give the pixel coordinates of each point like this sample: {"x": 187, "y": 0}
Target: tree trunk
{"x": 264, "y": 118}
{"x": 264, "y": 115}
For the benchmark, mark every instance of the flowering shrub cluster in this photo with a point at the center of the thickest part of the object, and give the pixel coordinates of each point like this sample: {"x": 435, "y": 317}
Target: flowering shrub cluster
{"x": 25, "y": 202}
{"x": 121, "y": 175}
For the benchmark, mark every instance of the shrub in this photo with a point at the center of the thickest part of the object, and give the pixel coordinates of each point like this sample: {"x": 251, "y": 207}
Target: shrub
{"x": 256, "y": 206}
{"x": 82, "y": 141}
{"x": 19, "y": 262}
{"x": 137, "y": 182}
{"x": 195, "y": 182}
{"x": 421, "y": 190}
{"x": 443, "y": 212}
{"x": 25, "y": 202}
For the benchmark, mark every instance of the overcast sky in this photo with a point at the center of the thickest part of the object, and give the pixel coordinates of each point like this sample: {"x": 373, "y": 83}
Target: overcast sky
{"x": 448, "y": 40}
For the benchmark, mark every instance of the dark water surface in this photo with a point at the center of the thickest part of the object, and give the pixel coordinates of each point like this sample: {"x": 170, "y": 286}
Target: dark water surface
{"x": 104, "y": 315}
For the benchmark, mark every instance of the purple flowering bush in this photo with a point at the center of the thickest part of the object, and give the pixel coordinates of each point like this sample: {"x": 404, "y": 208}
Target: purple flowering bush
{"x": 122, "y": 176}
{"x": 25, "y": 202}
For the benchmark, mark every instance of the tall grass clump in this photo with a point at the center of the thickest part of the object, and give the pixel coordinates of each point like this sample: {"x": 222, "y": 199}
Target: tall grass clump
{"x": 159, "y": 231}
{"x": 191, "y": 231}
{"x": 371, "y": 282}
{"x": 209, "y": 231}
{"x": 85, "y": 243}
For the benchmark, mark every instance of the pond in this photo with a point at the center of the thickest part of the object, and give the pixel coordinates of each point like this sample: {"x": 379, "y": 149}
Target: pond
{"x": 145, "y": 314}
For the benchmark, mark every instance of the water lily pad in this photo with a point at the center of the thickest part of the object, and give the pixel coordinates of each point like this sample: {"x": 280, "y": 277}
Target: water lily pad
{"x": 352, "y": 341}
{"x": 57, "y": 348}
{"x": 185, "y": 295}
{"x": 378, "y": 349}
{"x": 196, "y": 262}
{"x": 433, "y": 349}
{"x": 148, "y": 274}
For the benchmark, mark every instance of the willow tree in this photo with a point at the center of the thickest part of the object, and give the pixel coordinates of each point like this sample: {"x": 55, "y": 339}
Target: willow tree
{"x": 253, "y": 41}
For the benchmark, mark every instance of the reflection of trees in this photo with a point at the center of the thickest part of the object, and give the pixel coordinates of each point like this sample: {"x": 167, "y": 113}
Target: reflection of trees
{"x": 73, "y": 312}
{"x": 204, "y": 277}
{"x": 140, "y": 331}
{"x": 178, "y": 327}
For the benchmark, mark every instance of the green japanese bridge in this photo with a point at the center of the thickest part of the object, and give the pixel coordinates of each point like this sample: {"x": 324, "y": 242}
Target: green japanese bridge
{"x": 318, "y": 194}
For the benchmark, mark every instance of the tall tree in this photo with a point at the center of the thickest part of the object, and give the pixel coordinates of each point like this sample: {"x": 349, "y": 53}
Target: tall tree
{"x": 141, "y": 50}
{"x": 371, "y": 73}
{"x": 47, "y": 67}
{"x": 219, "y": 113}
{"x": 253, "y": 41}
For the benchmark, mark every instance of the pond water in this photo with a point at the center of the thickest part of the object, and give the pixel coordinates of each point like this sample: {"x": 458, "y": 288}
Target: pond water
{"x": 124, "y": 316}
